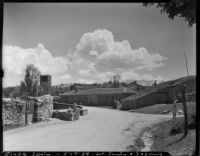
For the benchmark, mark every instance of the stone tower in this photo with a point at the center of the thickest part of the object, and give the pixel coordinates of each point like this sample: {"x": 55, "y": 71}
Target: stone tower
{"x": 45, "y": 84}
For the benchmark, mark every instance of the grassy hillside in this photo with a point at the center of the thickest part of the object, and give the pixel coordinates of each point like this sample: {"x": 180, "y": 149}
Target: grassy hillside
{"x": 160, "y": 108}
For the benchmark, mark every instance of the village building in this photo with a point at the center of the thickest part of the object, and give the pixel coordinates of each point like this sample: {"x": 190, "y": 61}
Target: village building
{"x": 162, "y": 94}
{"x": 45, "y": 84}
{"x": 96, "y": 96}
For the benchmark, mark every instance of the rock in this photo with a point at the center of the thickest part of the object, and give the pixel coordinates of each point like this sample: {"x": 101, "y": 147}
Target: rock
{"x": 69, "y": 110}
{"x": 64, "y": 115}
{"x": 77, "y": 114}
{"x": 83, "y": 112}
{"x": 80, "y": 107}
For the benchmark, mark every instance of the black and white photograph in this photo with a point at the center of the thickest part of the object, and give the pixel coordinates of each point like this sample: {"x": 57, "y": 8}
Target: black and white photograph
{"x": 106, "y": 77}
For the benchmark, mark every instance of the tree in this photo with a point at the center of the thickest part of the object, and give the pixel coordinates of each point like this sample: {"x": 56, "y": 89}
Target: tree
{"x": 116, "y": 80}
{"x": 23, "y": 90}
{"x": 187, "y": 10}
{"x": 180, "y": 8}
{"x": 32, "y": 79}
{"x": 73, "y": 87}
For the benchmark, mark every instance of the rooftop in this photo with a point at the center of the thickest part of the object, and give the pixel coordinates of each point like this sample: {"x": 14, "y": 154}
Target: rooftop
{"x": 100, "y": 91}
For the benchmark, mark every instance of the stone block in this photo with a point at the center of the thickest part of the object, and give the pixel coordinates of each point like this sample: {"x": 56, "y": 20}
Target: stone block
{"x": 77, "y": 114}
{"x": 83, "y": 112}
{"x": 64, "y": 114}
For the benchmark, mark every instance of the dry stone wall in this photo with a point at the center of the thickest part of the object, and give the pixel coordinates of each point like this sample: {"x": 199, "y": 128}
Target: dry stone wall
{"x": 38, "y": 109}
{"x": 12, "y": 111}
{"x": 43, "y": 107}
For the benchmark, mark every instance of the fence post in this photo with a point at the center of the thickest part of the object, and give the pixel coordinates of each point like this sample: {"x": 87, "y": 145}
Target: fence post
{"x": 174, "y": 113}
{"x": 185, "y": 109}
{"x": 26, "y": 113}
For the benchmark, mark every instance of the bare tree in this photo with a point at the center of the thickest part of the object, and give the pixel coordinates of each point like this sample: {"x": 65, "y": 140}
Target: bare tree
{"x": 186, "y": 64}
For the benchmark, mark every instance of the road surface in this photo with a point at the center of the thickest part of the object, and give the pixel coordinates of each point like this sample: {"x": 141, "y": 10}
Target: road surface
{"x": 102, "y": 129}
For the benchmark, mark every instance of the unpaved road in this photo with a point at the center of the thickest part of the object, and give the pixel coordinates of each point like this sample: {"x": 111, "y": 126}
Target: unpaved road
{"x": 101, "y": 130}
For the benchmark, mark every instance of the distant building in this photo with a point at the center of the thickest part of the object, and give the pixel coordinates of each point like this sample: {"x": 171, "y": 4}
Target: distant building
{"x": 96, "y": 96}
{"x": 45, "y": 84}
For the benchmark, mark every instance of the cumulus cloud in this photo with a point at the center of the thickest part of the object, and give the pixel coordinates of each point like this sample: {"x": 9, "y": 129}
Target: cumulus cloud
{"x": 131, "y": 75}
{"x": 96, "y": 58}
{"x": 85, "y": 81}
{"x": 100, "y": 47}
{"x": 16, "y": 58}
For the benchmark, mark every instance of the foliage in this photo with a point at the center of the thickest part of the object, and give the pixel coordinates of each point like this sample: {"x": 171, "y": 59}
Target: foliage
{"x": 116, "y": 81}
{"x": 32, "y": 79}
{"x": 180, "y": 8}
{"x": 177, "y": 129}
{"x": 72, "y": 87}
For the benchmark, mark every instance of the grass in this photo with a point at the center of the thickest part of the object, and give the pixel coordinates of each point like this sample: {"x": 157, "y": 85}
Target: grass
{"x": 164, "y": 141}
{"x": 159, "y": 108}
{"x": 175, "y": 144}
{"x": 167, "y": 138}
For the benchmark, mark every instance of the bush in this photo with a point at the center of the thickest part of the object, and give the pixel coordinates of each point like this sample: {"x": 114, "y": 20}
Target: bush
{"x": 176, "y": 129}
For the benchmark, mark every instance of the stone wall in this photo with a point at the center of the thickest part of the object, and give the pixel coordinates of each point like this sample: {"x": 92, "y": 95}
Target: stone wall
{"x": 58, "y": 105}
{"x": 164, "y": 96}
{"x": 43, "y": 107}
{"x": 93, "y": 99}
{"x": 12, "y": 111}
{"x": 38, "y": 109}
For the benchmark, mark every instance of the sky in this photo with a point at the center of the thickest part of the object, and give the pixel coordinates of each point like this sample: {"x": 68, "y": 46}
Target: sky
{"x": 91, "y": 42}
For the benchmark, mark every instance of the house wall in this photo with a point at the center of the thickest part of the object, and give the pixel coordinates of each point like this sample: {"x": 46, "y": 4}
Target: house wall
{"x": 93, "y": 99}
{"x": 162, "y": 96}
{"x": 165, "y": 95}
{"x": 57, "y": 106}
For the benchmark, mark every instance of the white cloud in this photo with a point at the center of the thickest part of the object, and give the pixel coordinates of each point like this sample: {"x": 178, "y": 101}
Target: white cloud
{"x": 16, "y": 58}
{"x": 97, "y": 58}
{"x": 85, "y": 81}
{"x": 100, "y": 47}
{"x": 131, "y": 75}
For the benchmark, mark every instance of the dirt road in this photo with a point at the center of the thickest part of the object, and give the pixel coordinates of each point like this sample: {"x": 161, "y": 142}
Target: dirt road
{"x": 101, "y": 130}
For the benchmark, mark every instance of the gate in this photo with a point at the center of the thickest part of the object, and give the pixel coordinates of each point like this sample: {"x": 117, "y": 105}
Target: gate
{"x": 28, "y": 109}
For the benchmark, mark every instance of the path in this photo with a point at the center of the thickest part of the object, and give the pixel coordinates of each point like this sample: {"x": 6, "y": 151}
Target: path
{"x": 101, "y": 130}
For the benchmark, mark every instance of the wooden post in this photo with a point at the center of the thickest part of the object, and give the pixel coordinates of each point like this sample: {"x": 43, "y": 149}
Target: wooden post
{"x": 174, "y": 107}
{"x": 26, "y": 116}
{"x": 185, "y": 110}
{"x": 174, "y": 113}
